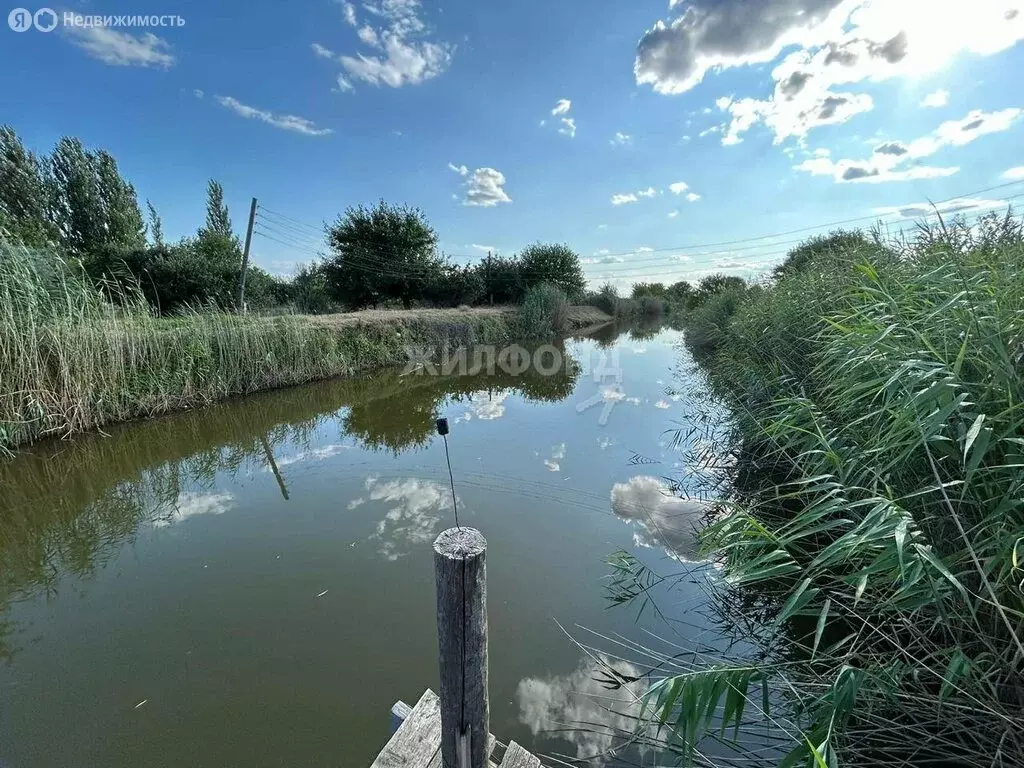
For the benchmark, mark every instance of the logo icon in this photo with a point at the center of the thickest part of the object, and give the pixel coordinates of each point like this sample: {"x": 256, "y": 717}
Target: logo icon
{"x": 45, "y": 19}
{"x": 20, "y": 20}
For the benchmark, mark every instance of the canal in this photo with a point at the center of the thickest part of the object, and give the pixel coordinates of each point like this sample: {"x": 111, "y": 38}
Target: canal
{"x": 252, "y": 583}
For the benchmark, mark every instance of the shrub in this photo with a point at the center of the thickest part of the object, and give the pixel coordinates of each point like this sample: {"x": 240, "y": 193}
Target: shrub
{"x": 544, "y": 313}
{"x": 553, "y": 264}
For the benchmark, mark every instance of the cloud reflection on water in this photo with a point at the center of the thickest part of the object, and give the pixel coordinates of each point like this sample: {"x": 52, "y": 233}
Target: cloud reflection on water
{"x": 416, "y": 508}
{"x": 581, "y": 708}
{"x": 663, "y": 519}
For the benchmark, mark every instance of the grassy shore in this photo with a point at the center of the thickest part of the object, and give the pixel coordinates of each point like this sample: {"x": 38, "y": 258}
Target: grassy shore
{"x": 71, "y": 360}
{"x": 877, "y": 457}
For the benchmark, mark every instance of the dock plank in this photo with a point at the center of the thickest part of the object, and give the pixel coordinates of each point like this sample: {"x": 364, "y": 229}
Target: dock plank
{"x": 517, "y": 757}
{"x": 418, "y": 740}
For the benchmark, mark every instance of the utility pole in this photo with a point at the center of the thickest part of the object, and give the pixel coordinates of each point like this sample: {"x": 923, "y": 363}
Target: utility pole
{"x": 490, "y": 277}
{"x": 245, "y": 257}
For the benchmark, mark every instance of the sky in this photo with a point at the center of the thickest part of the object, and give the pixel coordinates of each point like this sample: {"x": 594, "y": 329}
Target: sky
{"x": 662, "y": 140}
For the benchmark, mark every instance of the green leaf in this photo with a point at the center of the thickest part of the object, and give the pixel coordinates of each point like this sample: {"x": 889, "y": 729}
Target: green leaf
{"x": 822, "y": 619}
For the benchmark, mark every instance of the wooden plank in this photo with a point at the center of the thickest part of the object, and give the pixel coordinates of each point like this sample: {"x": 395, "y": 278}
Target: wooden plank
{"x": 491, "y": 743}
{"x": 517, "y": 757}
{"x": 418, "y": 739}
{"x": 399, "y": 712}
{"x": 461, "y": 575}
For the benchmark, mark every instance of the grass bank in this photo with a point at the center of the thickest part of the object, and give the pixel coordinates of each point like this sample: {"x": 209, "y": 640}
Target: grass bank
{"x": 877, "y": 456}
{"x": 71, "y": 360}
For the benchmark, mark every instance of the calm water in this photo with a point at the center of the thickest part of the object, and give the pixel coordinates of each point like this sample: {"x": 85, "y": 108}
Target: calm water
{"x": 167, "y": 599}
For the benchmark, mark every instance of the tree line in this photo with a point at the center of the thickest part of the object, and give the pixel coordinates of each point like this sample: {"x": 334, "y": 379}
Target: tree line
{"x": 75, "y": 202}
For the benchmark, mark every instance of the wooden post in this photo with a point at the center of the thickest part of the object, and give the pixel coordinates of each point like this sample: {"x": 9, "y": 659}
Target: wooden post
{"x": 245, "y": 257}
{"x": 461, "y": 574}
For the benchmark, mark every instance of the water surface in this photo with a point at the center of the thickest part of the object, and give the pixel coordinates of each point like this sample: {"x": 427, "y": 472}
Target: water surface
{"x": 168, "y": 598}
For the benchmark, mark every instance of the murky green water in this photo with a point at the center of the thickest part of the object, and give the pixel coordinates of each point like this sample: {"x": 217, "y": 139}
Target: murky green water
{"x": 168, "y": 600}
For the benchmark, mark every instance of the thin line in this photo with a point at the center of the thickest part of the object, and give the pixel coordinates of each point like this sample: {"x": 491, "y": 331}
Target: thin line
{"x": 451, "y": 478}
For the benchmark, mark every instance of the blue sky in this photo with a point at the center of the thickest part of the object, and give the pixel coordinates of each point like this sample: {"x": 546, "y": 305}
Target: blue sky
{"x": 651, "y": 137}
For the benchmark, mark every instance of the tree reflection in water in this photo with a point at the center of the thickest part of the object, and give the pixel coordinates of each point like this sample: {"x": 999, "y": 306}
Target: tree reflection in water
{"x": 69, "y": 506}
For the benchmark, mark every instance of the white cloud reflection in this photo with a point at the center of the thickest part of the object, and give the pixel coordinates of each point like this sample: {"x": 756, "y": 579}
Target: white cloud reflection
{"x": 191, "y": 504}
{"x": 416, "y": 508}
{"x": 602, "y": 717}
{"x": 663, "y": 519}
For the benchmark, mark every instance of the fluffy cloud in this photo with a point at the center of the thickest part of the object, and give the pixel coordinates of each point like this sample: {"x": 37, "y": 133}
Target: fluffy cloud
{"x": 484, "y": 186}
{"x": 624, "y": 199}
{"x": 562, "y": 107}
{"x": 837, "y": 43}
{"x": 284, "y": 122}
{"x": 401, "y": 58}
{"x": 896, "y": 161}
{"x": 621, "y": 139}
{"x": 1014, "y": 174}
{"x": 649, "y": 192}
{"x": 121, "y": 49}
{"x": 692, "y": 197}
{"x": 717, "y": 34}
{"x": 678, "y": 187}
{"x": 415, "y": 508}
{"x": 939, "y": 98}
{"x": 568, "y": 127}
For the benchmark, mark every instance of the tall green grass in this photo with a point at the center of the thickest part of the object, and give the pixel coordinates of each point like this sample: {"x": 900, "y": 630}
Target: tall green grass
{"x": 72, "y": 360}
{"x": 877, "y": 461}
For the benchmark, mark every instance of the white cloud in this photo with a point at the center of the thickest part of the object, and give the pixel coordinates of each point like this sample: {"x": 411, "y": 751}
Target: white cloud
{"x": 349, "y": 11}
{"x": 485, "y": 405}
{"x": 894, "y": 161}
{"x": 403, "y": 59}
{"x": 925, "y": 209}
{"x": 562, "y": 107}
{"x": 369, "y": 36}
{"x": 403, "y": 63}
{"x": 837, "y": 43}
{"x": 344, "y": 84}
{"x": 678, "y": 187}
{"x": 122, "y": 49}
{"x": 198, "y": 93}
{"x": 649, "y": 192}
{"x": 314, "y": 454}
{"x": 692, "y": 197}
{"x": 621, "y": 139}
{"x": 624, "y": 199}
{"x": 673, "y": 214}
{"x": 568, "y": 127}
{"x": 939, "y": 98}
{"x": 1014, "y": 174}
{"x": 322, "y": 51}
{"x": 284, "y": 122}
{"x": 484, "y": 248}
{"x": 484, "y": 186}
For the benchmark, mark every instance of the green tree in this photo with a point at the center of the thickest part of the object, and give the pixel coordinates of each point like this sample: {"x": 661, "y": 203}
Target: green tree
{"x": 77, "y": 208}
{"x": 648, "y": 289}
{"x": 503, "y": 280}
{"x": 680, "y": 293}
{"x": 122, "y": 219}
{"x": 24, "y": 195}
{"x": 381, "y": 253}
{"x": 718, "y": 283}
{"x": 835, "y": 242}
{"x": 218, "y": 220}
{"x": 156, "y": 226}
{"x": 555, "y": 264}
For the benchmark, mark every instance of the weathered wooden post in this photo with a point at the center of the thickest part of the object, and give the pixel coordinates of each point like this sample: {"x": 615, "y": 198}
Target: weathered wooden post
{"x": 461, "y": 574}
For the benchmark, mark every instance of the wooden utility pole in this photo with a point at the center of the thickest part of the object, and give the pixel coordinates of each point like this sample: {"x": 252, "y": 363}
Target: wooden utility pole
{"x": 490, "y": 277}
{"x": 245, "y": 256}
{"x": 461, "y": 574}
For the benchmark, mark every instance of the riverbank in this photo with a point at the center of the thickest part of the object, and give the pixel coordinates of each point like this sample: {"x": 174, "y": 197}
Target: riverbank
{"x": 877, "y": 467}
{"x": 72, "y": 360}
